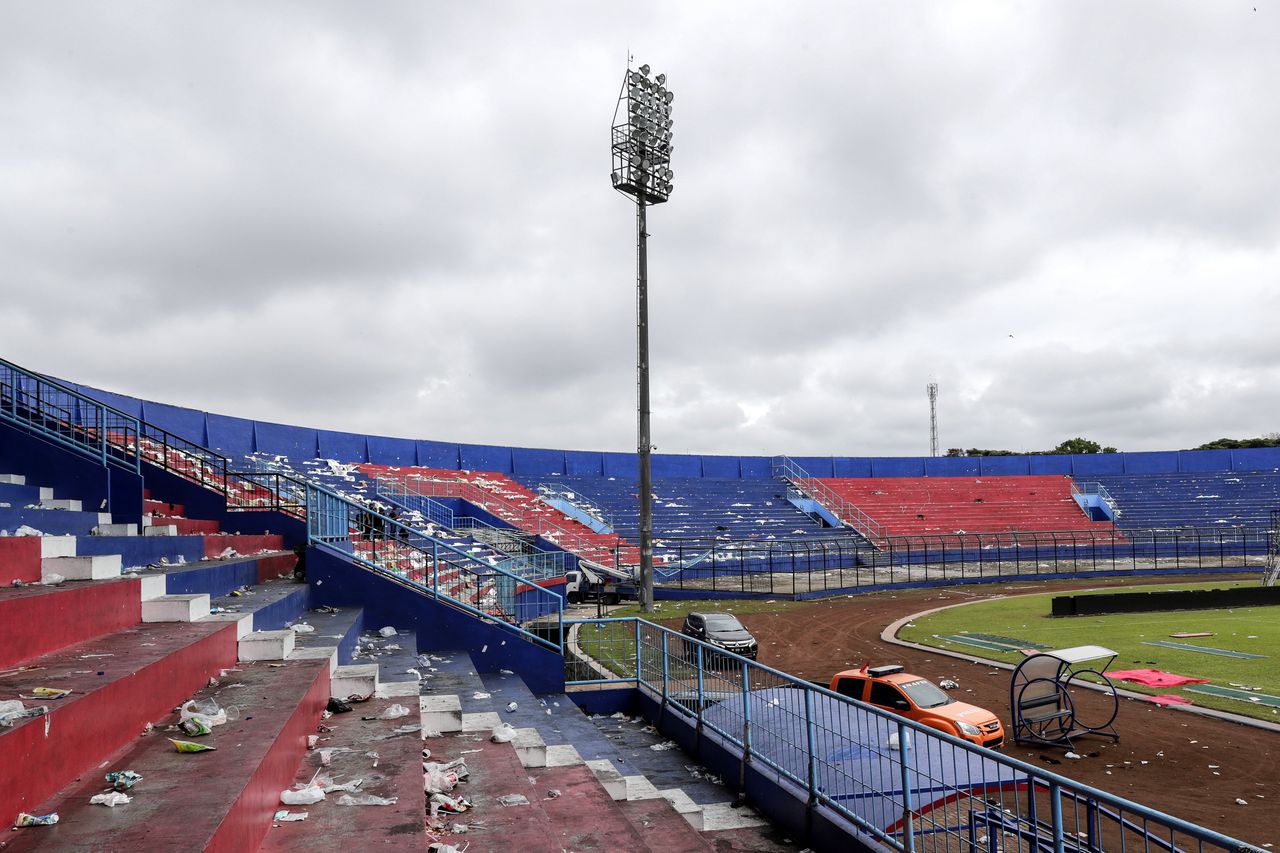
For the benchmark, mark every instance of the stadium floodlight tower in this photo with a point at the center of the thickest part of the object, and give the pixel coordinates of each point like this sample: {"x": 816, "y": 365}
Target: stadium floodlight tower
{"x": 642, "y": 170}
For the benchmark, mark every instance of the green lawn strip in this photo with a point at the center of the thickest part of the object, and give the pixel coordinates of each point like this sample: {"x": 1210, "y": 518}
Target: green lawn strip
{"x": 612, "y": 644}
{"x": 1027, "y": 616}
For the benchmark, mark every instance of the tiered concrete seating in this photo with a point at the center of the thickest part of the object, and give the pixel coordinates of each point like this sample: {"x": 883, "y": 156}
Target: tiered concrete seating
{"x": 1217, "y": 499}
{"x": 906, "y": 506}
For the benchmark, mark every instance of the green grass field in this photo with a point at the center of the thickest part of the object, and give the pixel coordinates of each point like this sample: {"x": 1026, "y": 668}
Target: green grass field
{"x": 1248, "y": 629}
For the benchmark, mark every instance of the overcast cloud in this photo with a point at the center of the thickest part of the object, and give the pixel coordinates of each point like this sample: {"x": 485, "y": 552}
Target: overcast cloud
{"x": 397, "y": 218}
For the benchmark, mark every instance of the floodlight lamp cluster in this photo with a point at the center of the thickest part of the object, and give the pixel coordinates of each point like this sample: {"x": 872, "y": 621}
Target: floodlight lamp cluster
{"x": 642, "y": 137}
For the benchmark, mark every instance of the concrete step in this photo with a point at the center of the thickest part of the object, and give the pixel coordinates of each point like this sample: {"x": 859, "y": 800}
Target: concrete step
{"x": 119, "y": 683}
{"x": 39, "y": 620}
{"x": 115, "y": 530}
{"x": 151, "y": 529}
{"x": 176, "y": 608}
{"x": 354, "y": 680}
{"x": 87, "y": 568}
{"x": 68, "y": 504}
{"x": 267, "y": 646}
{"x": 58, "y": 546}
{"x": 237, "y": 786}
{"x": 441, "y": 713}
{"x": 395, "y": 773}
{"x": 51, "y": 522}
{"x": 13, "y": 479}
{"x": 530, "y": 748}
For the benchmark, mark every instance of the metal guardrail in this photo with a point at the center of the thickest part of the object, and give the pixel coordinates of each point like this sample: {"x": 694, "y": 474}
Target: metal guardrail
{"x": 383, "y": 544}
{"x": 913, "y": 788}
{"x": 536, "y": 523}
{"x": 786, "y": 468}
{"x": 91, "y": 428}
{"x": 1098, "y": 489}
{"x": 582, "y": 502}
{"x": 527, "y": 562}
{"x": 814, "y": 565}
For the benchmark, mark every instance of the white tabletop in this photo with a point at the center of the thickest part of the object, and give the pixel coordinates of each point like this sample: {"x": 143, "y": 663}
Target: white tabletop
{"x": 1079, "y": 654}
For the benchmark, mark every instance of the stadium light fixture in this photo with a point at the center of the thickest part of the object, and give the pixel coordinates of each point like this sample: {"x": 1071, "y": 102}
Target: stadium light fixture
{"x": 641, "y": 150}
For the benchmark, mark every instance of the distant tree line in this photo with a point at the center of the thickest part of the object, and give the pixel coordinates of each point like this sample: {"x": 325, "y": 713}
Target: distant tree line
{"x": 1084, "y": 445}
{"x": 1071, "y": 445}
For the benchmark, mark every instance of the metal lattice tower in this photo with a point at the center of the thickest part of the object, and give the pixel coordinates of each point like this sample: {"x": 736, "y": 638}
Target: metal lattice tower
{"x": 933, "y": 418}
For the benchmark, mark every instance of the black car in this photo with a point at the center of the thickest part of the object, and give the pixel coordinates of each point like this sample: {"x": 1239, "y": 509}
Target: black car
{"x": 722, "y": 630}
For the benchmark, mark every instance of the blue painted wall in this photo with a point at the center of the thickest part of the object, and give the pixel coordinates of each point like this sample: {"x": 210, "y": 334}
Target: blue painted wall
{"x": 239, "y": 436}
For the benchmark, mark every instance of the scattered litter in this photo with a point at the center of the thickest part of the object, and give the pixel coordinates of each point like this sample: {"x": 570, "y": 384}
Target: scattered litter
{"x": 304, "y": 797}
{"x": 449, "y": 805}
{"x": 111, "y": 799}
{"x": 906, "y": 741}
{"x": 1182, "y": 635}
{"x": 513, "y": 800}
{"x": 12, "y": 710}
{"x": 506, "y": 672}
{"x": 1240, "y": 802}
{"x": 441, "y": 847}
{"x": 1073, "y": 756}
{"x": 286, "y": 816}
{"x": 663, "y": 747}
{"x": 51, "y": 579}
{"x": 123, "y": 780}
{"x": 366, "y": 800}
{"x": 503, "y": 733}
{"x": 189, "y": 746}
{"x": 404, "y": 730}
{"x": 204, "y": 711}
{"x": 479, "y": 695}
{"x": 49, "y": 692}
{"x": 394, "y": 712}
{"x": 948, "y": 684}
{"x": 511, "y": 706}
{"x": 302, "y": 628}
{"x": 388, "y": 631}
{"x": 25, "y": 819}
{"x": 337, "y": 706}
{"x": 553, "y": 794}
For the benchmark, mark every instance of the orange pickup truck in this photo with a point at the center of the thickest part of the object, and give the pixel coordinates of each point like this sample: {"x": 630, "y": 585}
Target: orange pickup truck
{"x": 915, "y": 698}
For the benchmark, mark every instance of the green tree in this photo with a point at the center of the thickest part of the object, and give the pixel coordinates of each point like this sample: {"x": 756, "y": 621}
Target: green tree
{"x": 1081, "y": 445}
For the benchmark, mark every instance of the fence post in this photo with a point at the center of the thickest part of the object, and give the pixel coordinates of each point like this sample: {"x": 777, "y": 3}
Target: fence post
{"x": 809, "y": 742}
{"x": 1055, "y": 813}
{"x": 908, "y": 808}
{"x": 746, "y": 731}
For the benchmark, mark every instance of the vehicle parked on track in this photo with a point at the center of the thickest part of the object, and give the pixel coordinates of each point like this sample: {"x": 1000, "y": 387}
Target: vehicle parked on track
{"x": 916, "y": 698}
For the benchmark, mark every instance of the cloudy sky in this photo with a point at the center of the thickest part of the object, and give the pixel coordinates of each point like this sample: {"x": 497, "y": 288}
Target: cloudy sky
{"x": 396, "y": 217}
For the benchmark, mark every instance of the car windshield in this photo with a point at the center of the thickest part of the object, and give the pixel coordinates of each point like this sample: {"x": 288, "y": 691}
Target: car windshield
{"x": 925, "y": 695}
{"x": 723, "y": 622}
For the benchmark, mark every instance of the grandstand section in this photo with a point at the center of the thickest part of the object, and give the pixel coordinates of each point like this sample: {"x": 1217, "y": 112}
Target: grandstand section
{"x": 905, "y": 506}
{"x": 1200, "y": 499}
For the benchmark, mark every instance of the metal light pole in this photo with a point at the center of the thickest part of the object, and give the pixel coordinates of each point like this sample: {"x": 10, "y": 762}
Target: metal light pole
{"x": 641, "y": 153}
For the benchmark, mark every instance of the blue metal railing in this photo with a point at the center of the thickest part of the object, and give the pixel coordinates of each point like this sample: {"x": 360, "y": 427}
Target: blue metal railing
{"x": 534, "y": 565}
{"x": 1086, "y": 489}
{"x": 913, "y": 788}
{"x": 786, "y": 468}
{"x": 555, "y": 491}
{"x": 384, "y": 545}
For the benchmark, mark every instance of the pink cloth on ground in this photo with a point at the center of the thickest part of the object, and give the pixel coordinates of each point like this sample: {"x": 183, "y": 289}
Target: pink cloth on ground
{"x": 1154, "y": 677}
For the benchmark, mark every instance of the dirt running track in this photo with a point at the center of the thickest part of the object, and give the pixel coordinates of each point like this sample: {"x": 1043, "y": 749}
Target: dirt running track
{"x": 826, "y": 636}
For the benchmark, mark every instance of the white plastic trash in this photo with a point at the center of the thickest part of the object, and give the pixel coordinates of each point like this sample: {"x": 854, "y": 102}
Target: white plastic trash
{"x": 111, "y": 799}
{"x": 302, "y": 628}
{"x": 503, "y": 733}
{"x": 394, "y": 712}
{"x": 388, "y": 631}
{"x": 304, "y": 797}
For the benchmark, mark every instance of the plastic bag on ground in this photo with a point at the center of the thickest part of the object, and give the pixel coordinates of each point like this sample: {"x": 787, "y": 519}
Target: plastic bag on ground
{"x": 123, "y": 780}
{"x": 503, "y": 733}
{"x": 206, "y": 710}
{"x": 513, "y": 800}
{"x": 304, "y": 797}
{"x": 286, "y": 816}
{"x": 10, "y": 709}
{"x": 190, "y": 746}
{"x": 394, "y": 712}
{"x": 111, "y": 799}
{"x": 437, "y": 779}
{"x": 387, "y": 632}
{"x": 441, "y": 803}
{"x": 366, "y": 800}
{"x": 52, "y": 579}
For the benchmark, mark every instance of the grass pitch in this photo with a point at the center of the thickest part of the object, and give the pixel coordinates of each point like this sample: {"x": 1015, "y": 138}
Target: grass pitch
{"x": 1255, "y": 630}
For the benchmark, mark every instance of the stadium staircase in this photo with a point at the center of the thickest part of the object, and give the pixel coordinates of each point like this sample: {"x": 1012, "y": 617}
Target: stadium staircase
{"x": 132, "y": 641}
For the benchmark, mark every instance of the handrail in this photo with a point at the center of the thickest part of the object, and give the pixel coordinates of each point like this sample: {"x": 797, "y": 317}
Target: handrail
{"x": 488, "y": 501}
{"x": 589, "y": 507}
{"x": 831, "y": 747}
{"x": 786, "y": 468}
{"x": 1094, "y": 488}
{"x": 113, "y": 437}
